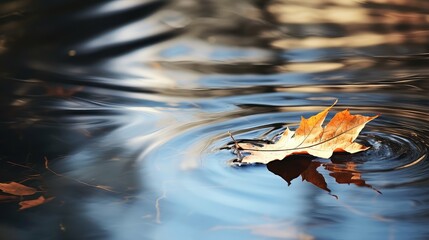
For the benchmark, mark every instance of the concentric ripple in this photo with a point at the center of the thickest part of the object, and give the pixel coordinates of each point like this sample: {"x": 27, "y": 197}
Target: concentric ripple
{"x": 196, "y": 176}
{"x": 397, "y": 156}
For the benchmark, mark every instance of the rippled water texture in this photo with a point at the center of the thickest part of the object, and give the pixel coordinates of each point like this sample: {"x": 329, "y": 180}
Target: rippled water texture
{"x": 130, "y": 104}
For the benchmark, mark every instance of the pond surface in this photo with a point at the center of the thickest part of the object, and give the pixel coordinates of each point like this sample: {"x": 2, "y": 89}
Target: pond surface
{"x": 129, "y": 104}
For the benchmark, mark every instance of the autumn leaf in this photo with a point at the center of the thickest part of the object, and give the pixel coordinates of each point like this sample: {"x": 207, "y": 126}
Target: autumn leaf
{"x": 17, "y": 189}
{"x": 33, "y": 203}
{"x": 311, "y": 138}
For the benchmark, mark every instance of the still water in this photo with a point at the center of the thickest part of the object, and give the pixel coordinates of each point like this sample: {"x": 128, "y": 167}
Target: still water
{"x": 130, "y": 104}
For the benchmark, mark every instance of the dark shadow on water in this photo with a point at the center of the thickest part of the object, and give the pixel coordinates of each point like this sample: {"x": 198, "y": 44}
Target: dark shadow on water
{"x": 343, "y": 171}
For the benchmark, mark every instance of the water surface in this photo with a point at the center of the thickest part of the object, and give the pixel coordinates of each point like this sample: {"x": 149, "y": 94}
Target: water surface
{"x": 138, "y": 97}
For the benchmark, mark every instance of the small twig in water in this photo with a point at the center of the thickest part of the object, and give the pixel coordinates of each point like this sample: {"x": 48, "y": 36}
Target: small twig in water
{"x": 237, "y": 147}
{"x": 20, "y": 165}
{"x": 105, "y": 188}
{"x": 157, "y": 206}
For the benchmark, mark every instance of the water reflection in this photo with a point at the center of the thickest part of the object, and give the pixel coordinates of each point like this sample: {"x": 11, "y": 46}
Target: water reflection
{"x": 343, "y": 171}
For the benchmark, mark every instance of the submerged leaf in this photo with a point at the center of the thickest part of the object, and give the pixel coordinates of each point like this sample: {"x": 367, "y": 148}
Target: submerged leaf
{"x": 17, "y": 189}
{"x": 311, "y": 138}
{"x": 33, "y": 203}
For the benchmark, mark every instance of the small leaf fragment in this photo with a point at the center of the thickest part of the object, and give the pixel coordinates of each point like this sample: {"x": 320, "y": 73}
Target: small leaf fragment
{"x": 17, "y": 189}
{"x": 33, "y": 203}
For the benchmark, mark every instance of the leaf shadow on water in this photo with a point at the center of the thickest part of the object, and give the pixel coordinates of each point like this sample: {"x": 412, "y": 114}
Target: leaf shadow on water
{"x": 343, "y": 170}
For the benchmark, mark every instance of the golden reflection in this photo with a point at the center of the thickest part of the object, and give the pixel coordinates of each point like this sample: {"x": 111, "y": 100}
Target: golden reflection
{"x": 343, "y": 12}
{"x": 311, "y": 67}
{"x": 286, "y": 13}
{"x": 282, "y": 230}
{"x": 373, "y": 22}
{"x": 339, "y": 88}
{"x": 357, "y": 40}
{"x": 360, "y": 40}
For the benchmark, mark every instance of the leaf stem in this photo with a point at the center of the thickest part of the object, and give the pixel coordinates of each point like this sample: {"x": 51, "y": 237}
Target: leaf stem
{"x": 76, "y": 180}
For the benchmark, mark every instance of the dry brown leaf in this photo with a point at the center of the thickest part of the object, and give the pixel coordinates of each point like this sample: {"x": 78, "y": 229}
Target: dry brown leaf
{"x": 33, "y": 203}
{"x": 311, "y": 138}
{"x": 17, "y": 189}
